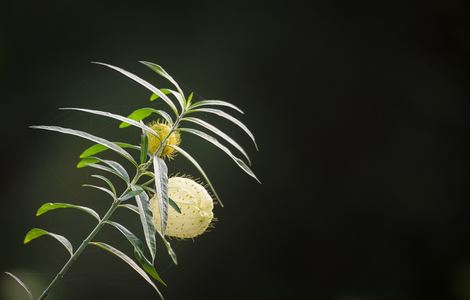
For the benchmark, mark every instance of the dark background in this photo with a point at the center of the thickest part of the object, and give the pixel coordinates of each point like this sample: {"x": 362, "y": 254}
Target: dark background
{"x": 360, "y": 110}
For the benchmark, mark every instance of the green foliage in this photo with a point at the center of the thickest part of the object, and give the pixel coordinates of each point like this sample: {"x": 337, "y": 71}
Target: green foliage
{"x": 22, "y": 284}
{"x": 135, "y": 187}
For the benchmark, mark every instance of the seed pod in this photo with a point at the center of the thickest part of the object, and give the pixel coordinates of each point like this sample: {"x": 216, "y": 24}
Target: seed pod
{"x": 195, "y": 204}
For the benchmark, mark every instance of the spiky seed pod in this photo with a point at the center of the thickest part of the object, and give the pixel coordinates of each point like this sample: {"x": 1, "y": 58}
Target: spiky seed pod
{"x": 163, "y": 129}
{"x": 195, "y": 204}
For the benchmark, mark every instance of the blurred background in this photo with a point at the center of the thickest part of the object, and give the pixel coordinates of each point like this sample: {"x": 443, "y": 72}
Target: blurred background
{"x": 360, "y": 110}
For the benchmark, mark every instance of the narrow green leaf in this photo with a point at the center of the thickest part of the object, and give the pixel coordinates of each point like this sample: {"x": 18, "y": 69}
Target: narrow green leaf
{"x": 215, "y": 103}
{"x": 37, "y": 232}
{"x": 107, "y": 169}
{"x": 138, "y": 251}
{"x": 90, "y": 137}
{"x": 129, "y": 261}
{"x": 174, "y": 205}
{"x": 160, "y": 71}
{"x": 116, "y": 168}
{"x": 165, "y": 241}
{"x": 146, "y": 218}
{"x": 22, "y": 284}
{"x": 145, "y": 84}
{"x": 98, "y": 148}
{"x": 209, "y": 138}
{"x": 154, "y": 96}
{"x": 131, "y": 194}
{"x": 180, "y": 99}
{"x": 142, "y": 113}
{"x": 52, "y": 206}
{"x": 219, "y": 133}
{"x": 114, "y": 116}
{"x": 107, "y": 181}
{"x": 101, "y": 189}
{"x": 143, "y": 147}
{"x": 190, "y": 98}
{"x": 161, "y": 189}
{"x": 200, "y": 169}
{"x": 230, "y": 118}
{"x": 86, "y": 161}
{"x": 130, "y": 207}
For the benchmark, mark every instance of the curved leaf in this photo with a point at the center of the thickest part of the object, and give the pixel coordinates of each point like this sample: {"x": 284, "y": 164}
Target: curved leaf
{"x": 209, "y": 138}
{"x": 199, "y": 168}
{"x": 114, "y": 116}
{"x": 23, "y": 285}
{"x": 165, "y": 241}
{"x": 101, "y": 189}
{"x": 52, "y": 206}
{"x": 230, "y": 118}
{"x": 219, "y": 133}
{"x": 161, "y": 189}
{"x": 154, "y": 96}
{"x": 160, "y": 71}
{"x": 129, "y": 261}
{"x": 105, "y": 168}
{"x": 86, "y": 161}
{"x": 143, "y": 83}
{"x": 146, "y": 218}
{"x": 107, "y": 181}
{"x": 215, "y": 103}
{"x": 138, "y": 251}
{"x": 131, "y": 194}
{"x": 90, "y": 137}
{"x": 143, "y": 113}
{"x": 98, "y": 148}
{"x": 116, "y": 168}
{"x": 144, "y": 141}
{"x": 37, "y": 232}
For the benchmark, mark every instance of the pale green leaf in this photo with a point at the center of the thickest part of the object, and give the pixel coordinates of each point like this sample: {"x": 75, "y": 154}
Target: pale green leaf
{"x": 232, "y": 119}
{"x": 143, "y": 113}
{"x": 107, "y": 181}
{"x": 52, "y": 206}
{"x": 130, "y": 207}
{"x": 129, "y": 261}
{"x": 199, "y": 168}
{"x": 154, "y": 96}
{"x": 146, "y": 218}
{"x": 90, "y": 137}
{"x": 161, "y": 189}
{"x": 215, "y": 103}
{"x": 22, "y": 284}
{"x": 86, "y": 161}
{"x": 219, "y": 133}
{"x": 212, "y": 140}
{"x": 145, "y": 84}
{"x": 110, "y": 193}
{"x": 131, "y": 194}
{"x": 98, "y": 148}
{"x": 37, "y": 232}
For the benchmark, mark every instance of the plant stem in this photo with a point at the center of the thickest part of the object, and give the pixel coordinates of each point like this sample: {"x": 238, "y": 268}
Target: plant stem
{"x": 80, "y": 249}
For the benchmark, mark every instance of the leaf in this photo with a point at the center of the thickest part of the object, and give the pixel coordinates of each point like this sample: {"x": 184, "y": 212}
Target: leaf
{"x": 190, "y": 97}
{"x": 143, "y": 147}
{"x": 161, "y": 189}
{"x": 167, "y": 244}
{"x": 180, "y": 99}
{"x": 131, "y": 194}
{"x": 115, "y": 168}
{"x": 215, "y": 103}
{"x": 90, "y": 137}
{"x": 105, "y": 168}
{"x": 129, "y": 261}
{"x": 108, "y": 182}
{"x": 230, "y": 118}
{"x": 86, "y": 161}
{"x": 130, "y": 207}
{"x": 209, "y": 138}
{"x": 154, "y": 96}
{"x": 53, "y": 206}
{"x": 146, "y": 218}
{"x": 98, "y": 148}
{"x": 138, "y": 251}
{"x": 37, "y": 232}
{"x": 101, "y": 189}
{"x": 199, "y": 168}
{"x": 23, "y": 285}
{"x": 174, "y": 205}
{"x": 143, "y": 83}
{"x": 114, "y": 116}
{"x": 160, "y": 71}
{"x": 219, "y": 133}
{"x": 143, "y": 113}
